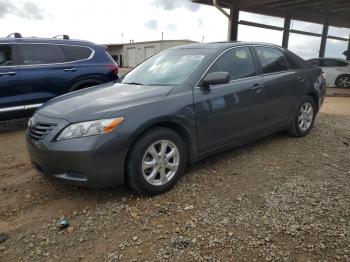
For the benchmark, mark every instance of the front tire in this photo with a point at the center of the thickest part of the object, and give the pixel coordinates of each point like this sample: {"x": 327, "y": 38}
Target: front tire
{"x": 156, "y": 161}
{"x": 304, "y": 119}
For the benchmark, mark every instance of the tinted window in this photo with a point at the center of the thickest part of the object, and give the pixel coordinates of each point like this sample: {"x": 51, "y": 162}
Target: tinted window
{"x": 75, "y": 53}
{"x": 292, "y": 64}
{"x": 333, "y": 63}
{"x": 238, "y": 62}
{"x": 314, "y": 62}
{"x": 5, "y": 55}
{"x": 272, "y": 60}
{"x": 35, "y": 54}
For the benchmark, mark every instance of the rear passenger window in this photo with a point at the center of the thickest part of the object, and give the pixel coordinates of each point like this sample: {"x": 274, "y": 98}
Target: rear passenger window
{"x": 5, "y": 55}
{"x": 272, "y": 60}
{"x": 333, "y": 63}
{"x": 37, "y": 54}
{"x": 238, "y": 62}
{"x": 76, "y": 53}
{"x": 314, "y": 62}
{"x": 292, "y": 64}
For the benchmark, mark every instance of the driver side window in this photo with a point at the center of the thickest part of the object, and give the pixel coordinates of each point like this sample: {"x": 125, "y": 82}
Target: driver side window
{"x": 238, "y": 62}
{"x": 5, "y": 55}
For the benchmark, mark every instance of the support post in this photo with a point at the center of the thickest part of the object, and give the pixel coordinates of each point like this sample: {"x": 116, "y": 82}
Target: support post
{"x": 324, "y": 38}
{"x": 286, "y": 31}
{"x": 233, "y": 24}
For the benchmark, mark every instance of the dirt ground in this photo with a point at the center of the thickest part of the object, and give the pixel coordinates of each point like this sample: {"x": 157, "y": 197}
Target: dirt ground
{"x": 337, "y": 105}
{"x": 278, "y": 199}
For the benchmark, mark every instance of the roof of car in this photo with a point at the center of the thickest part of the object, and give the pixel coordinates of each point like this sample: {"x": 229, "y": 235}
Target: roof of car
{"x": 219, "y": 45}
{"x": 44, "y": 40}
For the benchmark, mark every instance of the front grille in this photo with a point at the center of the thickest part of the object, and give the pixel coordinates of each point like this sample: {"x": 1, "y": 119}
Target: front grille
{"x": 40, "y": 130}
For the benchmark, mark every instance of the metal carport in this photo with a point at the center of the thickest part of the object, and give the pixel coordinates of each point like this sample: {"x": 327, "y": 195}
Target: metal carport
{"x": 326, "y": 12}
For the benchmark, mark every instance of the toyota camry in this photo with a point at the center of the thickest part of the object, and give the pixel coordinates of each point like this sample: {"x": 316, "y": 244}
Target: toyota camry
{"x": 177, "y": 107}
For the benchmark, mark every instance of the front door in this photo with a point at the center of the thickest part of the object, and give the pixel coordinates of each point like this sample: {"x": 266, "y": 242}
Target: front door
{"x": 230, "y": 112}
{"x": 44, "y": 72}
{"x": 10, "y": 98}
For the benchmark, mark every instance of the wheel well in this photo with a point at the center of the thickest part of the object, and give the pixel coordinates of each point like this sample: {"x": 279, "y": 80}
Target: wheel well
{"x": 180, "y": 130}
{"x": 315, "y": 98}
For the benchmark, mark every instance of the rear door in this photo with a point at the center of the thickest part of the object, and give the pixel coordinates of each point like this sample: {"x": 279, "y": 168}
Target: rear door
{"x": 282, "y": 85}
{"x": 230, "y": 112}
{"x": 45, "y": 72}
{"x": 10, "y": 98}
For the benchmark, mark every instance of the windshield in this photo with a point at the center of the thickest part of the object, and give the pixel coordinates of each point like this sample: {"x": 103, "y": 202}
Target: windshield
{"x": 172, "y": 67}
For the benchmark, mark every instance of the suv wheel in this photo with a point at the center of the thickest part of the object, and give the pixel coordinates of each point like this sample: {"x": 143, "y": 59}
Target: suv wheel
{"x": 156, "y": 161}
{"x": 304, "y": 119}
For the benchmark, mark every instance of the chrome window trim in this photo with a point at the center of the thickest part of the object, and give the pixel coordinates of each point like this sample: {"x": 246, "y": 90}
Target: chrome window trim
{"x": 17, "y": 108}
{"x": 63, "y": 63}
{"x": 206, "y": 71}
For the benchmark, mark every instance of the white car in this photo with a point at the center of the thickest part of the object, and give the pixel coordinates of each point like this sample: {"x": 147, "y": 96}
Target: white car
{"x": 337, "y": 71}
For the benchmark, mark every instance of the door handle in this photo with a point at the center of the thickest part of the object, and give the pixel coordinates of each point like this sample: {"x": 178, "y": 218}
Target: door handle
{"x": 70, "y": 70}
{"x": 8, "y": 74}
{"x": 258, "y": 88}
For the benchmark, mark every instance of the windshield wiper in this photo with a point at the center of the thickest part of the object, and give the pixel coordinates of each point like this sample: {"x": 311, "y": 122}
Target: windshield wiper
{"x": 133, "y": 83}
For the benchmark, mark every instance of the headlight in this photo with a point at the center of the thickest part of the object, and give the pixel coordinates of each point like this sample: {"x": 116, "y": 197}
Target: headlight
{"x": 90, "y": 128}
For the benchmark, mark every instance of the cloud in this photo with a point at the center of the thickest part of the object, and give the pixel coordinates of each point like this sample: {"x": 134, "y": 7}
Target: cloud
{"x": 200, "y": 23}
{"x": 174, "y": 4}
{"x": 171, "y": 27}
{"x": 152, "y": 24}
{"x": 27, "y": 10}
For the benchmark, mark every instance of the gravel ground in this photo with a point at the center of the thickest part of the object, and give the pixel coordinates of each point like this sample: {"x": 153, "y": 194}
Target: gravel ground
{"x": 278, "y": 199}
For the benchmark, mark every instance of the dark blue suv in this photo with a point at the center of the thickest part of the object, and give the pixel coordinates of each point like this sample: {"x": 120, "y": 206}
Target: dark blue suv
{"x": 35, "y": 70}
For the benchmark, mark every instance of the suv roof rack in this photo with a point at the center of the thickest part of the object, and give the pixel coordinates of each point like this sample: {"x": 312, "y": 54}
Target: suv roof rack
{"x": 15, "y": 35}
{"x": 66, "y": 37}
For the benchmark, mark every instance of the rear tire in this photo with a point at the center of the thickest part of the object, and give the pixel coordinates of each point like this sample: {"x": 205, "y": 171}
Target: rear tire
{"x": 156, "y": 162}
{"x": 304, "y": 119}
{"x": 343, "y": 81}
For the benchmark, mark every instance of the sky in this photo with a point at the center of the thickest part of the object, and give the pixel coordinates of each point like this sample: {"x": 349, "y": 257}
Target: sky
{"x": 116, "y": 21}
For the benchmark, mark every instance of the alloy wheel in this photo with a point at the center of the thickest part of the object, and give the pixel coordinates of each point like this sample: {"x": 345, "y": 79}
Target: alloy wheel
{"x": 160, "y": 162}
{"x": 305, "y": 116}
{"x": 344, "y": 82}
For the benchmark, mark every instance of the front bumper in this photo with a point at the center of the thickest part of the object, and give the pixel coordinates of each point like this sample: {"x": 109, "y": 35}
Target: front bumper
{"x": 95, "y": 161}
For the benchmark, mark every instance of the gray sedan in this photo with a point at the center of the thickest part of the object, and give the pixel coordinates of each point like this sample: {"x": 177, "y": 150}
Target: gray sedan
{"x": 177, "y": 107}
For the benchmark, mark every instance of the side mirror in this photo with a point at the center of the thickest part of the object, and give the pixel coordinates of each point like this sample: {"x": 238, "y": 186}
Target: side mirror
{"x": 216, "y": 78}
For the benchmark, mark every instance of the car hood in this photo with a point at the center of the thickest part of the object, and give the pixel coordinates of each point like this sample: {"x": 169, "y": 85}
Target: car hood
{"x": 92, "y": 103}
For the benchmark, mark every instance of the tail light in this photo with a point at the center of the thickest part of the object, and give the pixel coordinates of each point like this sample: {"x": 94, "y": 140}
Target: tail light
{"x": 114, "y": 68}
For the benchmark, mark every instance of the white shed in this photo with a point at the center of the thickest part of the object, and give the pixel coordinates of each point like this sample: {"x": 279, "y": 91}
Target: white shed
{"x": 132, "y": 54}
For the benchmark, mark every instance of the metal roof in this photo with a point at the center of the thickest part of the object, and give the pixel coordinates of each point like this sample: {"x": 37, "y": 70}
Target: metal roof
{"x": 316, "y": 11}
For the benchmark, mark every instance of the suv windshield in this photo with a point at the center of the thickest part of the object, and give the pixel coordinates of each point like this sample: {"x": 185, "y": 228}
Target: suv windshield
{"x": 172, "y": 67}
